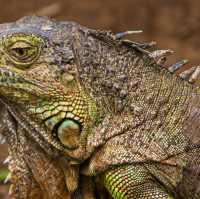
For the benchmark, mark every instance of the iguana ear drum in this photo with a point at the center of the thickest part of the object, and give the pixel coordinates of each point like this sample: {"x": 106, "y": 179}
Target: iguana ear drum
{"x": 68, "y": 133}
{"x": 66, "y": 130}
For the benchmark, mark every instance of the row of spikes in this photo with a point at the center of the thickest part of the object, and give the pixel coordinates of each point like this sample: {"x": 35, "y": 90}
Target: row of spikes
{"x": 160, "y": 56}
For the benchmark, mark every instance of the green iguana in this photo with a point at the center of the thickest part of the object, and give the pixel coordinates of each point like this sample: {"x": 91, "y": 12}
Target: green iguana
{"x": 87, "y": 114}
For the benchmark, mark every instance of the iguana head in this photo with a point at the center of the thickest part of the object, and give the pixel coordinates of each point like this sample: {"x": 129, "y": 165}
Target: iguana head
{"x": 38, "y": 74}
{"x": 33, "y": 60}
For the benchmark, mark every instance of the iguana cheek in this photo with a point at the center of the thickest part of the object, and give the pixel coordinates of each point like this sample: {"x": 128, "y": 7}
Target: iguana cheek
{"x": 69, "y": 134}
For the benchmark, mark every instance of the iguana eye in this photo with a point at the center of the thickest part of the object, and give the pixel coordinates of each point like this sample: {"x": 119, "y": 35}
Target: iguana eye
{"x": 22, "y": 49}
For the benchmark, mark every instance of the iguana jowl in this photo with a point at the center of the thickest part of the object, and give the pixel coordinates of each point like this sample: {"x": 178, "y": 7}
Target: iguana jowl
{"x": 89, "y": 115}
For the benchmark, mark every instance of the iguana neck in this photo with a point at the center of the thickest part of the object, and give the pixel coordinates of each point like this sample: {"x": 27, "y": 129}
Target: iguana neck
{"x": 128, "y": 83}
{"x": 157, "y": 108}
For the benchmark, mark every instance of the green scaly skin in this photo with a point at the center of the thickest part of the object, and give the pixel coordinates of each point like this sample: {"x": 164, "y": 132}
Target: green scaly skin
{"x": 133, "y": 182}
{"x": 88, "y": 115}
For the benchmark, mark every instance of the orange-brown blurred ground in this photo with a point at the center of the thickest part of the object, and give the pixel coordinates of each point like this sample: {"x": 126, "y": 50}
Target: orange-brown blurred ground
{"x": 174, "y": 24}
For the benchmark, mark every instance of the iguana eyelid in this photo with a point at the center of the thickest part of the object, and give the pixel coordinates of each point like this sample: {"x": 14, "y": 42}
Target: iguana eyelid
{"x": 21, "y": 44}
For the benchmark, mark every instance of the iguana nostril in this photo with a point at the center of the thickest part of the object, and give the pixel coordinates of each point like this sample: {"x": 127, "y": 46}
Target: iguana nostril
{"x": 68, "y": 133}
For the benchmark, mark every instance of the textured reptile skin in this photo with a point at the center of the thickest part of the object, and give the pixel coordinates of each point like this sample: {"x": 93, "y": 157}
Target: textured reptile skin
{"x": 87, "y": 114}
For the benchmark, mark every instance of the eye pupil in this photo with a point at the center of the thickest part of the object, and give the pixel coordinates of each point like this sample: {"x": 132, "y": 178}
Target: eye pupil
{"x": 20, "y": 51}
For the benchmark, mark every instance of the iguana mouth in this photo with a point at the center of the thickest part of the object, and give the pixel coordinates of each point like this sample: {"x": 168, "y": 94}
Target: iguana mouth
{"x": 13, "y": 85}
{"x": 19, "y": 88}
{"x": 8, "y": 77}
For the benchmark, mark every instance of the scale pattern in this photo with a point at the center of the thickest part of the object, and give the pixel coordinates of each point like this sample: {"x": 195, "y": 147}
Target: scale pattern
{"x": 133, "y": 182}
{"x": 79, "y": 104}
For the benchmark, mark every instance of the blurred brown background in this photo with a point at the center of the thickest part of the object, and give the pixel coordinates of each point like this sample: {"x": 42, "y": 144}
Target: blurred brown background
{"x": 173, "y": 24}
